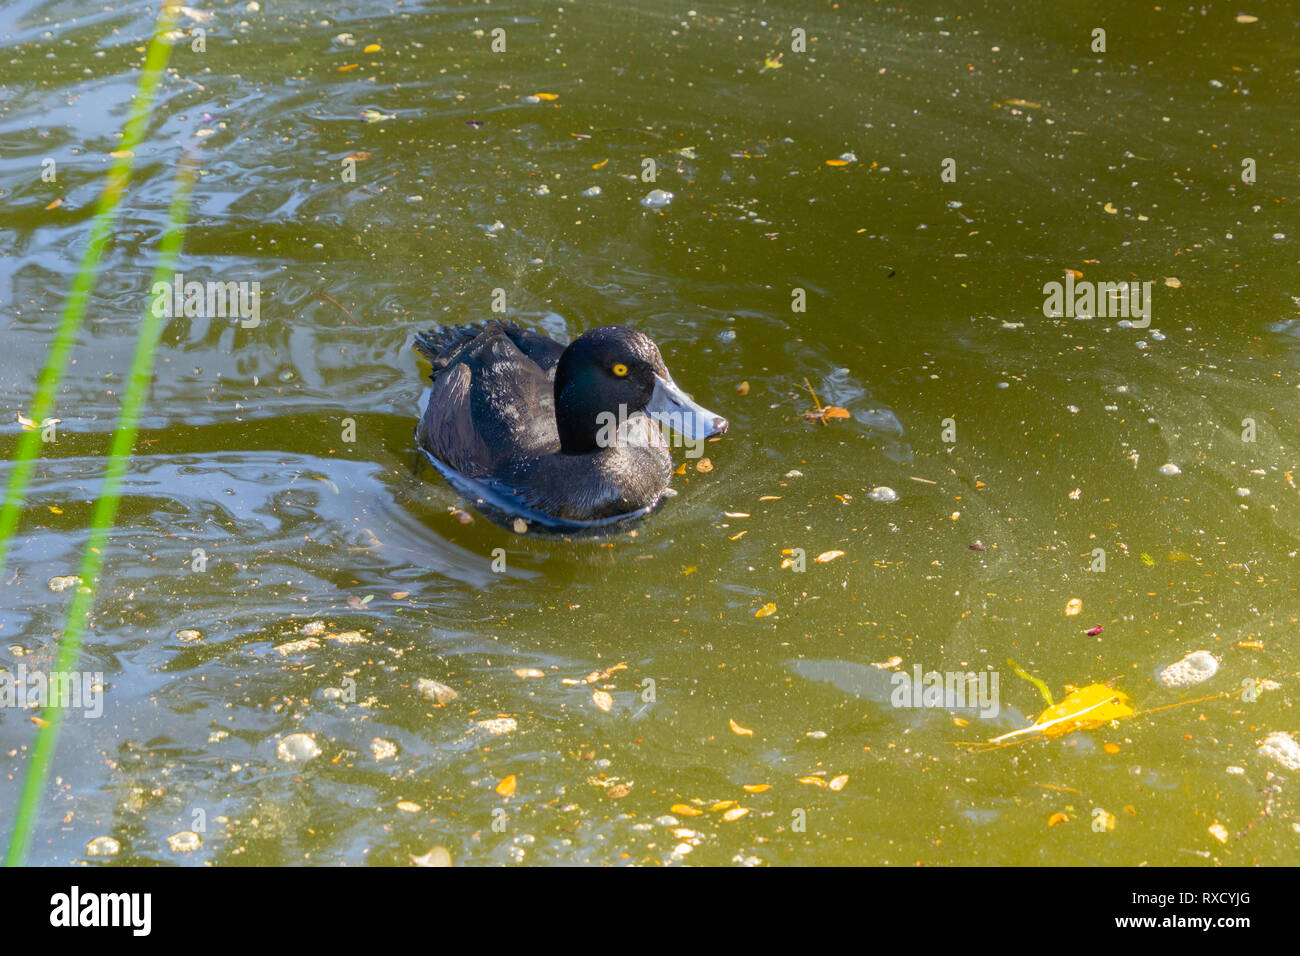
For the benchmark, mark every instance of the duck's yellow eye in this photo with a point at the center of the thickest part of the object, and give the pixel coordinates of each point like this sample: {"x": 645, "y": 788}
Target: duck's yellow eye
{"x": 619, "y": 369}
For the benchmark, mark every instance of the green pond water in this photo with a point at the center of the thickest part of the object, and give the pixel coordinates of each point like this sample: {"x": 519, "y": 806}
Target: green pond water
{"x": 1039, "y": 438}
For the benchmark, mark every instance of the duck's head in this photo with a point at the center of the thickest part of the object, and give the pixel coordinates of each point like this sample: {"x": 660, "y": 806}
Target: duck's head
{"x": 617, "y": 371}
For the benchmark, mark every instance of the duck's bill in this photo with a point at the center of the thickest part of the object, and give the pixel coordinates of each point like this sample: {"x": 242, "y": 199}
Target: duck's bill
{"x": 673, "y": 408}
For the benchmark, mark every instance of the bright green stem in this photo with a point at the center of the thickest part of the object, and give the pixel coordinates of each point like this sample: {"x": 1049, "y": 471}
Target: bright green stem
{"x": 47, "y": 387}
{"x": 137, "y": 389}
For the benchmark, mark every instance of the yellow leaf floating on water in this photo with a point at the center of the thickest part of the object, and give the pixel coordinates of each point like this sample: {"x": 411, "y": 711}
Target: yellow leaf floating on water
{"x": 507, "y": 785}
{"x": 735, "y": 813}
{"x": 827, "y": 556}
{"x": 1073, "y": 607}
{"x": 766, "y": 610}
{"x": 1084, "y": 709}
{"x": 1056, "y": 818}
{"x": 837, "y": 783}
{"x": 602, "y": 700}
{"x": 547, "y": 96}
{"x": 685, "y": 810}
{"x": 722, "y": 805}
{"x": 599, "y": 164}
{"x": 815, "y": 781}
{"x": 737, "y": 729}
{"x": 372, "y": 48}
{"x": 757, "y": 787}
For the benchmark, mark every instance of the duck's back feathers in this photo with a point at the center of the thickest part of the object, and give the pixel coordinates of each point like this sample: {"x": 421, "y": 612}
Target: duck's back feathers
{"x": 491, "y": 400}
{"x": 443, "y": 346}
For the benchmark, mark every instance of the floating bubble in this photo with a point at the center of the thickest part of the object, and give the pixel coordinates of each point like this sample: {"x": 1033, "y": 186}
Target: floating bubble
{"x": 103, "y": 846}
{"x": 657, "y": 199}
{"x": 1196, "y": 668}
{"x": 297, "y": 747}
{"x": 186, "y": 841}
{"x": 1282, "y": 747}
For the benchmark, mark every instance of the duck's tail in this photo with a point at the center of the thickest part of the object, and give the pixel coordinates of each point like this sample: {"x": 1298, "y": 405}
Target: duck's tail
{"x": 434, "y": 344}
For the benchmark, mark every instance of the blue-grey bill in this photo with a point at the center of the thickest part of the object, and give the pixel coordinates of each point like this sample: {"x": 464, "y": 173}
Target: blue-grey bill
{"x": 673, "y": 408}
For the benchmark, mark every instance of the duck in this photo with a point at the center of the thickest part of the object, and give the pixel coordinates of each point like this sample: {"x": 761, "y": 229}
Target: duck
{"x": 560, "y": 436}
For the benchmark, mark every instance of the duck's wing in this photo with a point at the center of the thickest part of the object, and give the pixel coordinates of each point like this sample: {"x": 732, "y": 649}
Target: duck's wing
{"x": 544, "y": 351}
{"x": 490, "y": 403}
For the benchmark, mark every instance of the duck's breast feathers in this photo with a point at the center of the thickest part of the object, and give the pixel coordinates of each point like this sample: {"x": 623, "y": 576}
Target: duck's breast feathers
{"x": 603, "y": 485}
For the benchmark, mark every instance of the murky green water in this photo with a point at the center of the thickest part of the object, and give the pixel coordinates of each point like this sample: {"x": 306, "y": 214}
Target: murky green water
{"x": 924, "y": 302}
